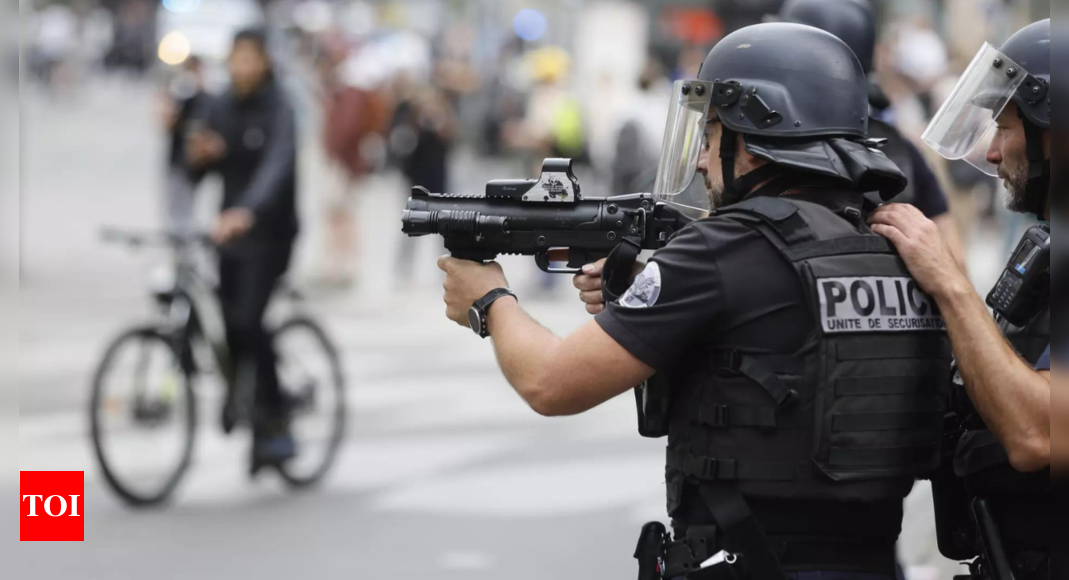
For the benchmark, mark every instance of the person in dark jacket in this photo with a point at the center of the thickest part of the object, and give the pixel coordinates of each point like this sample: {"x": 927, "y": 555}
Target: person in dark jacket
{"x": 186, "y": 94}
{"x": 248, "y": 137}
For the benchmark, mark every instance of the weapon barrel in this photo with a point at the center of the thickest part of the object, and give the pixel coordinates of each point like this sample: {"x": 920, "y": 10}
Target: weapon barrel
{"x": 449, "y": 222}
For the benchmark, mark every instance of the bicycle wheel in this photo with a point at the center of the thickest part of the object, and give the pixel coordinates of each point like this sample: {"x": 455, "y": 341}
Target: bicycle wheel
{"x": 143, "y": 417}
{"x": 314, "y": 386}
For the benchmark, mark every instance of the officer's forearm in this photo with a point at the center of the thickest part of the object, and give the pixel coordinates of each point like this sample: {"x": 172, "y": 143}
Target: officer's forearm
{"x": 522, "y": 347}
{"x": 1059, "y": 424}
{"x": 1013, "y": 399}
{"x": 558, "y": 376}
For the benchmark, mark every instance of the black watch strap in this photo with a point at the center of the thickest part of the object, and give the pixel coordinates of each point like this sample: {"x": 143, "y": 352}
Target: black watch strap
{"x": 482, "y": 308}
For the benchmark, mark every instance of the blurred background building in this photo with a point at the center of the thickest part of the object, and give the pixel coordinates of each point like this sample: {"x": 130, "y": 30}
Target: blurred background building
{"x": 389, "y": 94}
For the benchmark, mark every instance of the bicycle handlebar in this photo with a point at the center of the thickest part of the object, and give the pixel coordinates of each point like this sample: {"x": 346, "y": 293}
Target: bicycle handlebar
{"x": 170, "y": 239}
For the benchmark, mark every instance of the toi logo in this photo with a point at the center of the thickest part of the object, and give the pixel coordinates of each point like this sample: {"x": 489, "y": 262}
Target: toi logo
{"x": 52, "y": 506}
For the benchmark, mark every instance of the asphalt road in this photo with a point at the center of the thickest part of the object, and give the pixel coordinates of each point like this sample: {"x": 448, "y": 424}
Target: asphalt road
{"x": 445, "y": 473}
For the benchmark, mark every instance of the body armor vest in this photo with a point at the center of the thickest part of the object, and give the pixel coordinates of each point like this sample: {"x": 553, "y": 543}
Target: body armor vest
{"x": 855, "y": 415}
{"x": 896, "y": 150}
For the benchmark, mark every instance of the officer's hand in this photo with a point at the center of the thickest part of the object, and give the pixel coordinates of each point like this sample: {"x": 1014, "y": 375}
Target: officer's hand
{"x": 204, "y": 147}
{"x": 233, "y": 223}
{"x": 466, "y": 282}
{"x": 589, "y": 284}
{"x": 922, "y": 248}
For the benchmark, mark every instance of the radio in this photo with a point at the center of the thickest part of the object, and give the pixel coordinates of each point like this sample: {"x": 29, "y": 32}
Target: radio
{"x": 1023, "y": 291}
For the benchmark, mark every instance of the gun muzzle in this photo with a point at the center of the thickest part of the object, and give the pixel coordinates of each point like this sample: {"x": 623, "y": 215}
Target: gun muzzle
{"x": 450, "y": 222}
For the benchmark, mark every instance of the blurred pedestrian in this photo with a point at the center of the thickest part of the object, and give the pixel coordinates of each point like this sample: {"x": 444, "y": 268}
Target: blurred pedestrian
{"x": 248, "y": 136}
{"x": 54, "y": 44}
{"x": 422, "y": 136}
{"x": 638, "y": 140}
{"x": 356, "y": 120}
{"x": 185, "y": 95}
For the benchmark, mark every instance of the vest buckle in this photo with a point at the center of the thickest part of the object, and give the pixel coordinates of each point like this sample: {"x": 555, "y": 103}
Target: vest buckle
{"x": 720, "y": 416}
{"x": 730, "y": 363}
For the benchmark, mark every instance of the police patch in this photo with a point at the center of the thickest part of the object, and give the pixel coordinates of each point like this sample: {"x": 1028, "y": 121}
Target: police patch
{"x": 876, "y": 304}
{"x": 646, "y": 289}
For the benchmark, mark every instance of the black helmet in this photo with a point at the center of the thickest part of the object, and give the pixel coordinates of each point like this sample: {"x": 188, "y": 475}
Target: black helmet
{"x": 1030, "y": 49}
{"x": 853, "y": 21}
{"x": 798, "y": 95}
{"x": 787, "y": 80}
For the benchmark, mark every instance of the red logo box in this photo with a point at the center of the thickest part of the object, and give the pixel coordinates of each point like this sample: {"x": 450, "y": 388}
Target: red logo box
{"x": 52, "y": 506}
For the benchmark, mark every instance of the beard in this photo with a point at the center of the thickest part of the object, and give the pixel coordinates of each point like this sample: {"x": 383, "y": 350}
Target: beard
{"x": 715, "y": 191}
{"x": 1018, "y": 198}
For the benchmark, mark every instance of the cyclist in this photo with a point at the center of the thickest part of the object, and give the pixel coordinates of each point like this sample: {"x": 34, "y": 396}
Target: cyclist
{"x": 248, "y": 137}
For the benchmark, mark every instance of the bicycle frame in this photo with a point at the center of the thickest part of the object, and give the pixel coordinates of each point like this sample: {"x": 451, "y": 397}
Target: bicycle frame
{"x": 195, "y": 309}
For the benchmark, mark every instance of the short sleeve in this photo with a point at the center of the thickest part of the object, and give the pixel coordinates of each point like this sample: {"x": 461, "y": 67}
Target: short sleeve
{"x": 1044, "y": 361}
{"x": 670, "y": 304}
{"x": 930, "y": 198}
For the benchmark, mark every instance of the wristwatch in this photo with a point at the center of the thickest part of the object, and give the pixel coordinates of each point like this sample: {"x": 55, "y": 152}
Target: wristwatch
{"x": 477, "y": 313}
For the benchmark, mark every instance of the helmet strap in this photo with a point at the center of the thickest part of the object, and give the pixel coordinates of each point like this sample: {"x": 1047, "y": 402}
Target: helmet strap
{"x": 1038, "y": 188}
{"x": 728, "y": 154}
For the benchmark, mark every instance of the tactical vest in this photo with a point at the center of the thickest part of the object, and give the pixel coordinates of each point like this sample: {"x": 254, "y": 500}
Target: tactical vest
{"x": 1021, "y": 502}
{"x": 855, "y": 415}
{"x": 896, "y": 149}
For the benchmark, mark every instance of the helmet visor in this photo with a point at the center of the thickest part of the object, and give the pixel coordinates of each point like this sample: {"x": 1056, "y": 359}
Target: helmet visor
{"x": 966, "y": 124}
{"x": 684, "y": 138}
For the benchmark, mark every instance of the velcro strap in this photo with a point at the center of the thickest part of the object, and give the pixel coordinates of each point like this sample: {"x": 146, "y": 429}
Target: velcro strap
{"x": 723, "y": 416}
{"x": 713, "y": 469}
{"x": 748, "y": 366}
{"x": 875, "y": 386}
{"x": 880, "y": 457}
{"x": 862, "y": 422}
{"x": 840, "y": 247}
{"x": 930, "y": 348}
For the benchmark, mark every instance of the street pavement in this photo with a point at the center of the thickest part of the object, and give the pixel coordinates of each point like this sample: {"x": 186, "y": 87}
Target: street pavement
{"x": 445, "y": 473}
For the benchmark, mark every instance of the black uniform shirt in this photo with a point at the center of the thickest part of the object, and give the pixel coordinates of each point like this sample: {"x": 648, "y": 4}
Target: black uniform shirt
{"x": 260, "y": 168}
{"x": 721, "y": 285}
{"x": 930, "y": 198}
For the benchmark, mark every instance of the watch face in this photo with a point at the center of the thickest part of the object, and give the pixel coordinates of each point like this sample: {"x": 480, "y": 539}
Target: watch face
{"x": 474, "y": 320}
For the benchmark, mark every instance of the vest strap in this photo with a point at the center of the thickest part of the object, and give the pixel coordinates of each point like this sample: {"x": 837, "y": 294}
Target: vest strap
{"x": 780, "y": 215}
{"x": 880, "y": 386}
{"x": 741, "y": 530}
{"x": 713, "y": 469}
{"x": 748, "y": 366}
{"x": 881, "y": 457}
{"x": 723, "y": 416}
{"x": 861, "y": 422}
{"x": 841, "y": 247}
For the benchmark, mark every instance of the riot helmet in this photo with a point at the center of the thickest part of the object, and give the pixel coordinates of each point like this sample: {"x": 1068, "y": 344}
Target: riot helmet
{"x": 797, "y": 95}
{"x": 853, "y": 21}
{"x": 966, "y": 124}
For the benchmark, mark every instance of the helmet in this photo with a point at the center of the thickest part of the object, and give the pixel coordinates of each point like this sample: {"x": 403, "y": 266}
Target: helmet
{"x": 1030, "y": 49}
{"x": 799, "y": 97}
{"x": 1019, "y": 73}
{"x": 853, "y": 21}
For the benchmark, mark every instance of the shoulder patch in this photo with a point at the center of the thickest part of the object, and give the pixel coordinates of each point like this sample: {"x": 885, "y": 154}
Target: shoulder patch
{"x": 646, "y": 289}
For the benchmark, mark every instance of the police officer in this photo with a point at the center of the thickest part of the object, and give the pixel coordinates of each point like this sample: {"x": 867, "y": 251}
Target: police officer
{"x": 998, "y": 508}
{"x": 854, "y": 21}
{"x": 785, "y": 352}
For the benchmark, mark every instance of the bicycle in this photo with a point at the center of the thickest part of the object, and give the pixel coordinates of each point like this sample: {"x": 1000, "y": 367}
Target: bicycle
{"x": 187, "y": 343}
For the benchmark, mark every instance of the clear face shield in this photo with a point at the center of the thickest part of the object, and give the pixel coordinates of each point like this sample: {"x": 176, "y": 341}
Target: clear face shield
{"x": 965, "y": 126}
{"x": 684, "y": 140}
